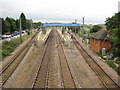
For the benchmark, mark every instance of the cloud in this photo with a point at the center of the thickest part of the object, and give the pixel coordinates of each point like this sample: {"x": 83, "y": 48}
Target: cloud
{"x": 65, "y": 10}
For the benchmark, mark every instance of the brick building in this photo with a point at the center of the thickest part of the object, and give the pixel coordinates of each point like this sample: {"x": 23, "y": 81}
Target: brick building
{"x": 100, "y": 40}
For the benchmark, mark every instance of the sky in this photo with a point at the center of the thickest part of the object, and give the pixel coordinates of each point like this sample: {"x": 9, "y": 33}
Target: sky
{"x": 94, "y": 11}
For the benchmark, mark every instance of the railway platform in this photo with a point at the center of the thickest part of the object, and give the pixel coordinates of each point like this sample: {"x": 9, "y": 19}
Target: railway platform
{"x": 66, "y": 38}
{"x": 42, "y": 37}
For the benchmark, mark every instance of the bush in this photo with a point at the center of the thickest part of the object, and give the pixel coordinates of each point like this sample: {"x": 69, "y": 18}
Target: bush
{"x": 9, "y": 46}
{"x": 111, "y": 64}
{"x": 118, "y": 71}
{"x": 99, "y": 55}
{"x": 80, "y": 33}
{"x": 95, "y": 28}
{"x": 5, "y": 53}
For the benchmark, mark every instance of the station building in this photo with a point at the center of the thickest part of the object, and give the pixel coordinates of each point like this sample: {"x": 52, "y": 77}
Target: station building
{"x": 100, "y": 40}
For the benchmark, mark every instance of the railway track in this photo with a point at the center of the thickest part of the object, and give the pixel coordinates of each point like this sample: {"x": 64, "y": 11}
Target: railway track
{"x": 42, "y": 74}
{"x": 8, "y": 70}
{"x": 102, "y": 75}
{"x": 68, "y": 79}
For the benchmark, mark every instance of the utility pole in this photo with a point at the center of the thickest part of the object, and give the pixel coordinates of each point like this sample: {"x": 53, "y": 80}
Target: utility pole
{"x": 31, "y": 23}
{"x": 20, "y": 31}
{"x": 82, "y": 30}
{"x": 75, "y": 23}
{"x": 83, "y": 21}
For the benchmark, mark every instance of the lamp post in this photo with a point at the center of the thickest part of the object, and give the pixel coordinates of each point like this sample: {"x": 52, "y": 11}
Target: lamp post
{"x": 83, "y": 30}
{"x": 75, "y": 23}
{"x": 83, "y": 21}
{"x": 20, "y": 31}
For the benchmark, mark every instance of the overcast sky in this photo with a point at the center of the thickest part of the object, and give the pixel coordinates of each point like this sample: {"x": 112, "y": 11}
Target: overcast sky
{"x": 94, "y": 11}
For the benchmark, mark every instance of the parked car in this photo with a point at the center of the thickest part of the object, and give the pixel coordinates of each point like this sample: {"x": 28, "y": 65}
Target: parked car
{"x": 6, "y": 36}
{"x": 16, "y": 33}
{"x": 23, "y": 31}
{"x": 0, "y": 37}
{"x": 12, "y": 35}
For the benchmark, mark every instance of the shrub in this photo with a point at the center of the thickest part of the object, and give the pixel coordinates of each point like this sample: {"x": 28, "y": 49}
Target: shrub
{"x": 9, "y": 46}
{"x": 111, "y": 64}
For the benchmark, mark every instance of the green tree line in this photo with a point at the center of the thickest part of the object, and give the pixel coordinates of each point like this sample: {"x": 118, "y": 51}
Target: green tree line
{"x": 10, "y": 25}
{"x": 113, "y": 25}
{"x": 95, "y": 28}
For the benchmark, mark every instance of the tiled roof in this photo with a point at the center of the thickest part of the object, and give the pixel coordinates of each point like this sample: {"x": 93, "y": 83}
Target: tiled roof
{"x": 100, "y": 35}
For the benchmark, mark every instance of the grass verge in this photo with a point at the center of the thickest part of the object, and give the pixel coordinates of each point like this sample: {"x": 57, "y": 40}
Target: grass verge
{"x": 7, "y": 47}
{"x": 111, "y": 63}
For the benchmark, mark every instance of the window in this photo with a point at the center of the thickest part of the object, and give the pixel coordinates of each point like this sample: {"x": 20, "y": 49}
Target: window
{"x": 96, "y": 42}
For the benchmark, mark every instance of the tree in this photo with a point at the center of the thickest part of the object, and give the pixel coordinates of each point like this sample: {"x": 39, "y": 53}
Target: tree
{"x": 115, "y": 42}
{"x": 29, "y": 24}
{"x": 0, "y": 25}
{"x": 113, "y": 24}
{"x": 23, "y": 21}
{"x": 5, "y": 26}
{"x": 95, "y": 28}
{"x": 12, "y": 24}
{"x": 17, "y": 24}
{"x": 37, "y": 24}
{"x": 118, "y": 33}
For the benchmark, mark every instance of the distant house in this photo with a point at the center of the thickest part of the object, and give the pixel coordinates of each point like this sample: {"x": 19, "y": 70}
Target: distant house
{"x": 100, "y": 40}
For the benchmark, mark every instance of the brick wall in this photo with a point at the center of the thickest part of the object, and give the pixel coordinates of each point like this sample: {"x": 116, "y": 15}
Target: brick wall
{"x": 97, "y": 45}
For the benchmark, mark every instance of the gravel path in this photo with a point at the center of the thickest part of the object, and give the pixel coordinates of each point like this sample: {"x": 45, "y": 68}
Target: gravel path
{"x": 22, "y": 77}
{"x": 84, "y": 76}
{"x": 111, "y": 72}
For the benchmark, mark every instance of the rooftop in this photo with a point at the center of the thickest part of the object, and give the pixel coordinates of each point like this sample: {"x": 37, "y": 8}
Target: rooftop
{"x": 100, "y": 35}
